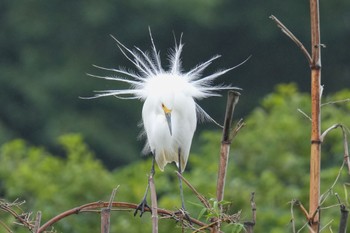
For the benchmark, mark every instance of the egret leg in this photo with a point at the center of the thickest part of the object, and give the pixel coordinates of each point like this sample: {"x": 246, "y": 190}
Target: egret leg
{"x": 143, "y": 203}
{"x": 181, "y": 189}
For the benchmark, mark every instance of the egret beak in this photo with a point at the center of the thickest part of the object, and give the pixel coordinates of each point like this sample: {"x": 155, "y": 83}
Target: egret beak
{"x": 167, "y": 113}
{"x": 168, "y": 120}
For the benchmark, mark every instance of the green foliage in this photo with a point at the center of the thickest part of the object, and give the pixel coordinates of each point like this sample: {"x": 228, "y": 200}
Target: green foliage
{"x": 53, "y": 184}
{"x": 269, "y": 156}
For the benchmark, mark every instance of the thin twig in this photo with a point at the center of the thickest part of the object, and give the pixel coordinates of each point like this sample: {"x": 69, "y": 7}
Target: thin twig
{"x": 326, "y": 225}
{"x": 335, "y": 102}
{"x": 324, "y": 196}
{"x": 324, "y": 134}
{"x": 345, "y": 141}
{"x": 306, "y": 225}
{"x": 37, "y": 222}
{"x": 302, "y": 208}
{"x": 106, "y": 213}
{"x": 286, "y": 31}
{"x": 205, "y": 227}
{"x": 154, "y": 204}
{"x": 240, "y": 124}
{"x": 22, "y": 219}
{"x": 292, "y": 214}
{"x": 249, "y": 225}
{"x": 302, "y": 112}
{"x": 6, "y": 227}
{"x": 200, "y": 197}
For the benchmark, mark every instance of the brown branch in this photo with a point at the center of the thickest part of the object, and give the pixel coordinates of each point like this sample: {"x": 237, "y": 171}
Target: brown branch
{"x": 23, "y": 219}
{"x": 292, "y": 214}
{"x": 105, "y": 220}
{"x": 106, "y": 213}
{"x": 205, "y": 227}
{"x": 346, "y": 149}
{"x": 154, "y": 203}
{"x": 200, "y": 197}
{"x": 37, "y": 222}
{"x": 118, "y": 205}
{"x": 302, "y": 208}
{"x": 5, "y": 226}
{"x": 232, "y": 100}
{"x": 286, "y": 31}
{"x": 249, "y": 225}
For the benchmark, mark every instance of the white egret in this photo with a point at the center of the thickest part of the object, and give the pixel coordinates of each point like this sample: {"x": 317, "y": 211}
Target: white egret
{"x": 169, "y": 113}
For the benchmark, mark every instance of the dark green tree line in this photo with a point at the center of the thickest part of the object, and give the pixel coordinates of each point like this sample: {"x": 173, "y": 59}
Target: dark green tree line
{"x": 46, "y": 47}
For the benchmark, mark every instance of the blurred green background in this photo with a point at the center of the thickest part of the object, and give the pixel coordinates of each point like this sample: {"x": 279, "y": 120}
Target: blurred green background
{"x": 47, "y": 47}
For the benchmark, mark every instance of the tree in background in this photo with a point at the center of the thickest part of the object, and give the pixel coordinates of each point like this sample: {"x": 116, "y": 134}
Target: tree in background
{"x": 47, "y": 47}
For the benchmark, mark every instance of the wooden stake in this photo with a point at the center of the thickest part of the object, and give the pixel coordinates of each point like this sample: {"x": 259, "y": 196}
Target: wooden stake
{"x": 232, "y": 100}
{"x": 315, "y": 155}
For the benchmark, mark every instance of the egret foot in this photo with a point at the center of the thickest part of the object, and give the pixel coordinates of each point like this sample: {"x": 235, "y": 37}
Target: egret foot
{"x": 143, "y": 204}
{"x": 141, "y": 207}
{"x": 183, "y": 209}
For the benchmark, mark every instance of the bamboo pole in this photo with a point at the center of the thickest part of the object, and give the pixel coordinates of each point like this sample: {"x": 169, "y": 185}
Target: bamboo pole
{"x": 315, "y": 154}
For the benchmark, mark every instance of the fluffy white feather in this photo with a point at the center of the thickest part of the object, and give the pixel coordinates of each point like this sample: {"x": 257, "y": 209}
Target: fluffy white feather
{"x": 173, "y": 88}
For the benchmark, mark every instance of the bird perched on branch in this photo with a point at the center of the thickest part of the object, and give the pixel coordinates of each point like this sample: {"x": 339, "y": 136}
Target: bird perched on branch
{"x": 169, "y": 113}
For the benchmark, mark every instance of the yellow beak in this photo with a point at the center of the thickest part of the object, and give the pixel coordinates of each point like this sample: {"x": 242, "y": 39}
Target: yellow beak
{"x": 167, "y": 113}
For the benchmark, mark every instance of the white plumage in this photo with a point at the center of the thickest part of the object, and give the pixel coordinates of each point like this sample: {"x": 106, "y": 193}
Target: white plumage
{"x": 169, "y": 112}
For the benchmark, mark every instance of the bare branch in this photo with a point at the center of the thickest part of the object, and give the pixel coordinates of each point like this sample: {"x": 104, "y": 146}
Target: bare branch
{"x": 154, "y": 203}
{"x": 232, "y": 100}
{"x": 106, "y": 213}
{"x": 302, "y": 112}
{"x": 240, "y": 124}
{"x": 6, "y": 227}
{"x": 37, "y": 222}
{"x": 324, "y": 196}
{"x": 345, "y": 141}
{"x": 23, "y": 219}
{"x": 343, "y": 219}
{"x": 324, "y": 134}
{"x": 335, "y": 102}
{"x": 200, "y": 197}
{"x": 249, "y": 225}
{"x": 302, "y": 208}
{"x": 119, "y": 205}
{"x": 286, "y": 31}
{"x": 292, "y": 203}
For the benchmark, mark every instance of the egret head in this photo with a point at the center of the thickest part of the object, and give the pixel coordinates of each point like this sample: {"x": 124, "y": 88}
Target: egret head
{"x": 151, "y": 80}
